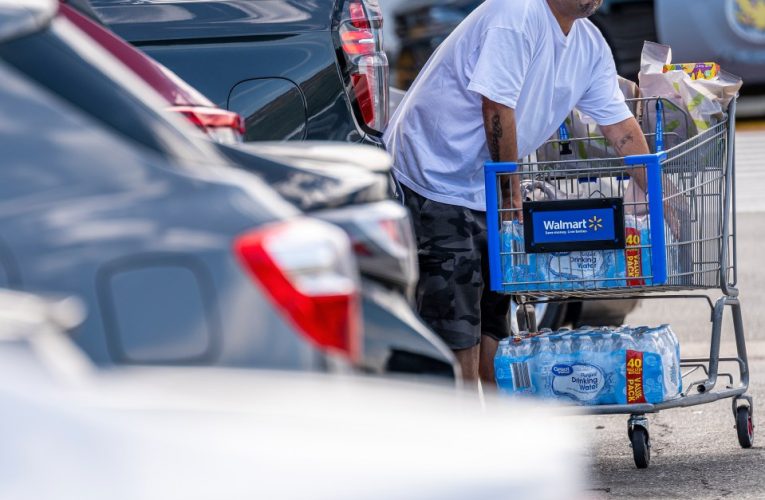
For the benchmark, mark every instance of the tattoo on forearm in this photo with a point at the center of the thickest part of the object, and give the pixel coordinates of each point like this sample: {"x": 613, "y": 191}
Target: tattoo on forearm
{"x": 622, "y": 143}
{"x": 496, "y": 135}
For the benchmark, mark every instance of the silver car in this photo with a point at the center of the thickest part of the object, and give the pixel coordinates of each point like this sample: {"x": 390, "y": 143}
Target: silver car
{"x": 70, "y": 431}
{"x": 179, "y": 258}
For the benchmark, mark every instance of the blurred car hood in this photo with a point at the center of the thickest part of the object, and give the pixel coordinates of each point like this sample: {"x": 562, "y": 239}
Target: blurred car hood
{"x": 210, "y": 433}
{"x": 318, "y": 175}
{"x": 21, "y": 17}
{"x": 186, "y": 433}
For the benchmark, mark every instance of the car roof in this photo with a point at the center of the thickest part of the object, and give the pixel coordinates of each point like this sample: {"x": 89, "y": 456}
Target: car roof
{"x": 22, "y": 17}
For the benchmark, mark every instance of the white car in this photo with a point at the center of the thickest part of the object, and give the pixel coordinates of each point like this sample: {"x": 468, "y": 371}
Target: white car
{"x": 69, "y": 431}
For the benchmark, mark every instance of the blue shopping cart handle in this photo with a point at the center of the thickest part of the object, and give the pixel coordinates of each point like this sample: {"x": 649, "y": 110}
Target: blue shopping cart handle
{"x": 582, "y": 180}
{"x": 659, "y": 125}
{"x": 565, "y": 144}
{"x": 499, "y": 167}
{"x": 653, "y": 165}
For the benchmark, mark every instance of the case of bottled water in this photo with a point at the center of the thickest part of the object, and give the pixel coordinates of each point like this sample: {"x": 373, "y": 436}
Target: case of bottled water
{"x": 518, "y": 266}
{"x": 593, "y": 366}
{"x": 580, "y": 269}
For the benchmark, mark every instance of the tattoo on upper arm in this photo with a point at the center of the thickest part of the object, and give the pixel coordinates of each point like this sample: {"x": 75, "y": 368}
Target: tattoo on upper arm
{"x": 622, "y": 143}
{"x": 496, "y": 135}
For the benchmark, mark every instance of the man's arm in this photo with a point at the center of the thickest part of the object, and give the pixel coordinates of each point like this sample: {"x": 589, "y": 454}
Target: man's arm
{"x": 499, "y": 124}
{"x": 627, "y": 139}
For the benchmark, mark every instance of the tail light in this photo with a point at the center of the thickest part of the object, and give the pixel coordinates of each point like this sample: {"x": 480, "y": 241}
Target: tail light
{"x": 364, "y": 63}
{"x": 307, "y": 270}
{"x": 221, "y": 125}
{"x": 383, "y": 240}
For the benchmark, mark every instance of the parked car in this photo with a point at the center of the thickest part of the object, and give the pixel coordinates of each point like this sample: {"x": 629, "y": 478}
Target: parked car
{"x": 395, "y": 340}
{"x": 421, "y": 27}
{"x": 178, "y": 257}
{"x": 72, "y": 431}
{"x": 293, "y": 69}
{"x": 350, "y": 186}
{"x": 221, "y": 125}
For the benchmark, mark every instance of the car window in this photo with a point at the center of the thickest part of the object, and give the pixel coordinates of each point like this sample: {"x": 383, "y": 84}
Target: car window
{"x": 70, "y": 65}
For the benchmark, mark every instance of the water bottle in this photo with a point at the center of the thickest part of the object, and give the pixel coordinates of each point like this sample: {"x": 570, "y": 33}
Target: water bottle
{"x": 502, "y": 363}
{"x": 585, "y": 348}
{"x": 522, "y": 266}
{"x": 542, "y": 367}
{"x": 671, "y": 360}
{"x": 523, "y": 348}
{"x": 644, "y": 340}
{"x": 600, "y": 343}
{"x": 676, "y": 343}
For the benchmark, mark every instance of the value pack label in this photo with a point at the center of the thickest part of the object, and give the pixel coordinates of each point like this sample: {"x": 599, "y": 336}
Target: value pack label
{"x": 635, "y": 392}
{"x": 633, "y": 255}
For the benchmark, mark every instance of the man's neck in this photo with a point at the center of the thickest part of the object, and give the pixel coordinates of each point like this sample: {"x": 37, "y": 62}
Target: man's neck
{"x": 565, "y": 22}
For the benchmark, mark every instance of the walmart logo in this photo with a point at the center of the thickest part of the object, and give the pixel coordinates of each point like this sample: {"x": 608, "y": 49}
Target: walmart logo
{"x": 593, "y": 224}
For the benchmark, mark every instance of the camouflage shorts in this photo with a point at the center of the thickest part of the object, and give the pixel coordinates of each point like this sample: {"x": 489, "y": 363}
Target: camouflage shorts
{"x": 453, "y": 295}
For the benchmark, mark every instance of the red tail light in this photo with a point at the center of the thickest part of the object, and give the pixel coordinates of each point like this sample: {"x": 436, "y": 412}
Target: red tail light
{"x": 307, "y": 270}
{"x": 364, "y": 61}
{"x": 222, "y": 125}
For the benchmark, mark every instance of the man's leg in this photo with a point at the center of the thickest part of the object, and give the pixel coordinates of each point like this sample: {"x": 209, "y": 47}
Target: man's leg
{"x": 486, "y": 360}
{"x": 495, "y": 308}
{"x": 469, "y": 360}
{"x": 449, "y": 291}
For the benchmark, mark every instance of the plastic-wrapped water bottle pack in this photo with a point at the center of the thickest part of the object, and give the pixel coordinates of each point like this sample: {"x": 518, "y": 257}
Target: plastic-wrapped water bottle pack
{"x": 592, "y": 366}
{"x": 582, "y": 269}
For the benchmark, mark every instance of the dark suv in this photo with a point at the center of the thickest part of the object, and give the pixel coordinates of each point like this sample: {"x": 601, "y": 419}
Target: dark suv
{"x": 294, "y": 69}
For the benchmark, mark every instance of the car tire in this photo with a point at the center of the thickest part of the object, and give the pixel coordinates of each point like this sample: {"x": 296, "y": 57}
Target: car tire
{"x": 550, "y": 315}
{"x": 553, "y": 316}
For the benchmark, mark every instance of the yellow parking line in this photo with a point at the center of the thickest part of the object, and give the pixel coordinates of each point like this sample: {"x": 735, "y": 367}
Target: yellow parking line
{"x": 750, "y": 125}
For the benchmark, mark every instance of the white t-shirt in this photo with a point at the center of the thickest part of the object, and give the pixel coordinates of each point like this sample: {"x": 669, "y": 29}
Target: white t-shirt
{"x": 514, "y": 53}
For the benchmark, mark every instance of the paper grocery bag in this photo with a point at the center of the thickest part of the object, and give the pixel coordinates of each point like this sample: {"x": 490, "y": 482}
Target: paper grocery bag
{"x": 704, "y": 101}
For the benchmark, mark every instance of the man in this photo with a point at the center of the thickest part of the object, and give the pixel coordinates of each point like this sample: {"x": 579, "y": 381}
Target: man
{"x": 496, "y": 89}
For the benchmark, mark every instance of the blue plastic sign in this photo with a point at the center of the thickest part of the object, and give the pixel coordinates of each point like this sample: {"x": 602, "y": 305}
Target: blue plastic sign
{"x": 574, "y": 225}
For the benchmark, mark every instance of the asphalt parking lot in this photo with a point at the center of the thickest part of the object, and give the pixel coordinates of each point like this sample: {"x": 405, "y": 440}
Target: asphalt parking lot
{"x": 695, "y": 451}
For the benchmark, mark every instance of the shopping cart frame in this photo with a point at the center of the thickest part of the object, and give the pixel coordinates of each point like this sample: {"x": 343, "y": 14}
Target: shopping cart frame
{"x": 697, "y": 392}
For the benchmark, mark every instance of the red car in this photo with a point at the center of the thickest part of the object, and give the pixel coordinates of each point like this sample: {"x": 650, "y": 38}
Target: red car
{"x": 221, "y": 125}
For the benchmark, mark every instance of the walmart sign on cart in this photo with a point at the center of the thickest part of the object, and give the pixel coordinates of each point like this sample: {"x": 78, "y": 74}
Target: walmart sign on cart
{"x": 574, "y": 225}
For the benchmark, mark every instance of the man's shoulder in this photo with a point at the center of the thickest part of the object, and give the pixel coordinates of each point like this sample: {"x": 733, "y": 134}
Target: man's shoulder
{"x": 592, "y": 33}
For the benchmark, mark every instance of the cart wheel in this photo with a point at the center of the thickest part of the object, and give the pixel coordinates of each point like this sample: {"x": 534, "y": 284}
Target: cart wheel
{"x": 744, "y": 426}
{"x": 641, "y": 447}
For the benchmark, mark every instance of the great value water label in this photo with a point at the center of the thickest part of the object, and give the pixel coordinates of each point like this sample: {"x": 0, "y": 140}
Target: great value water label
{"x": 580, "y": 381}
{"x": 578, "y": 264}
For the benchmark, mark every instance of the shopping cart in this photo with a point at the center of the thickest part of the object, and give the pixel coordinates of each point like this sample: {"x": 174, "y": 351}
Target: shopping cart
{"x": 688, "y": 216}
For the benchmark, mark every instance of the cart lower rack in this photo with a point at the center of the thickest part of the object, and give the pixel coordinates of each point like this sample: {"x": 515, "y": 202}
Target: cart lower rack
{"x": 648, "y": 226}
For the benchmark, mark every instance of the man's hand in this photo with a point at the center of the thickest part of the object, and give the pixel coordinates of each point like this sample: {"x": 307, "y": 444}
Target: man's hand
{"x": 499, "y": 124}
{"x": 627, "y": 138}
